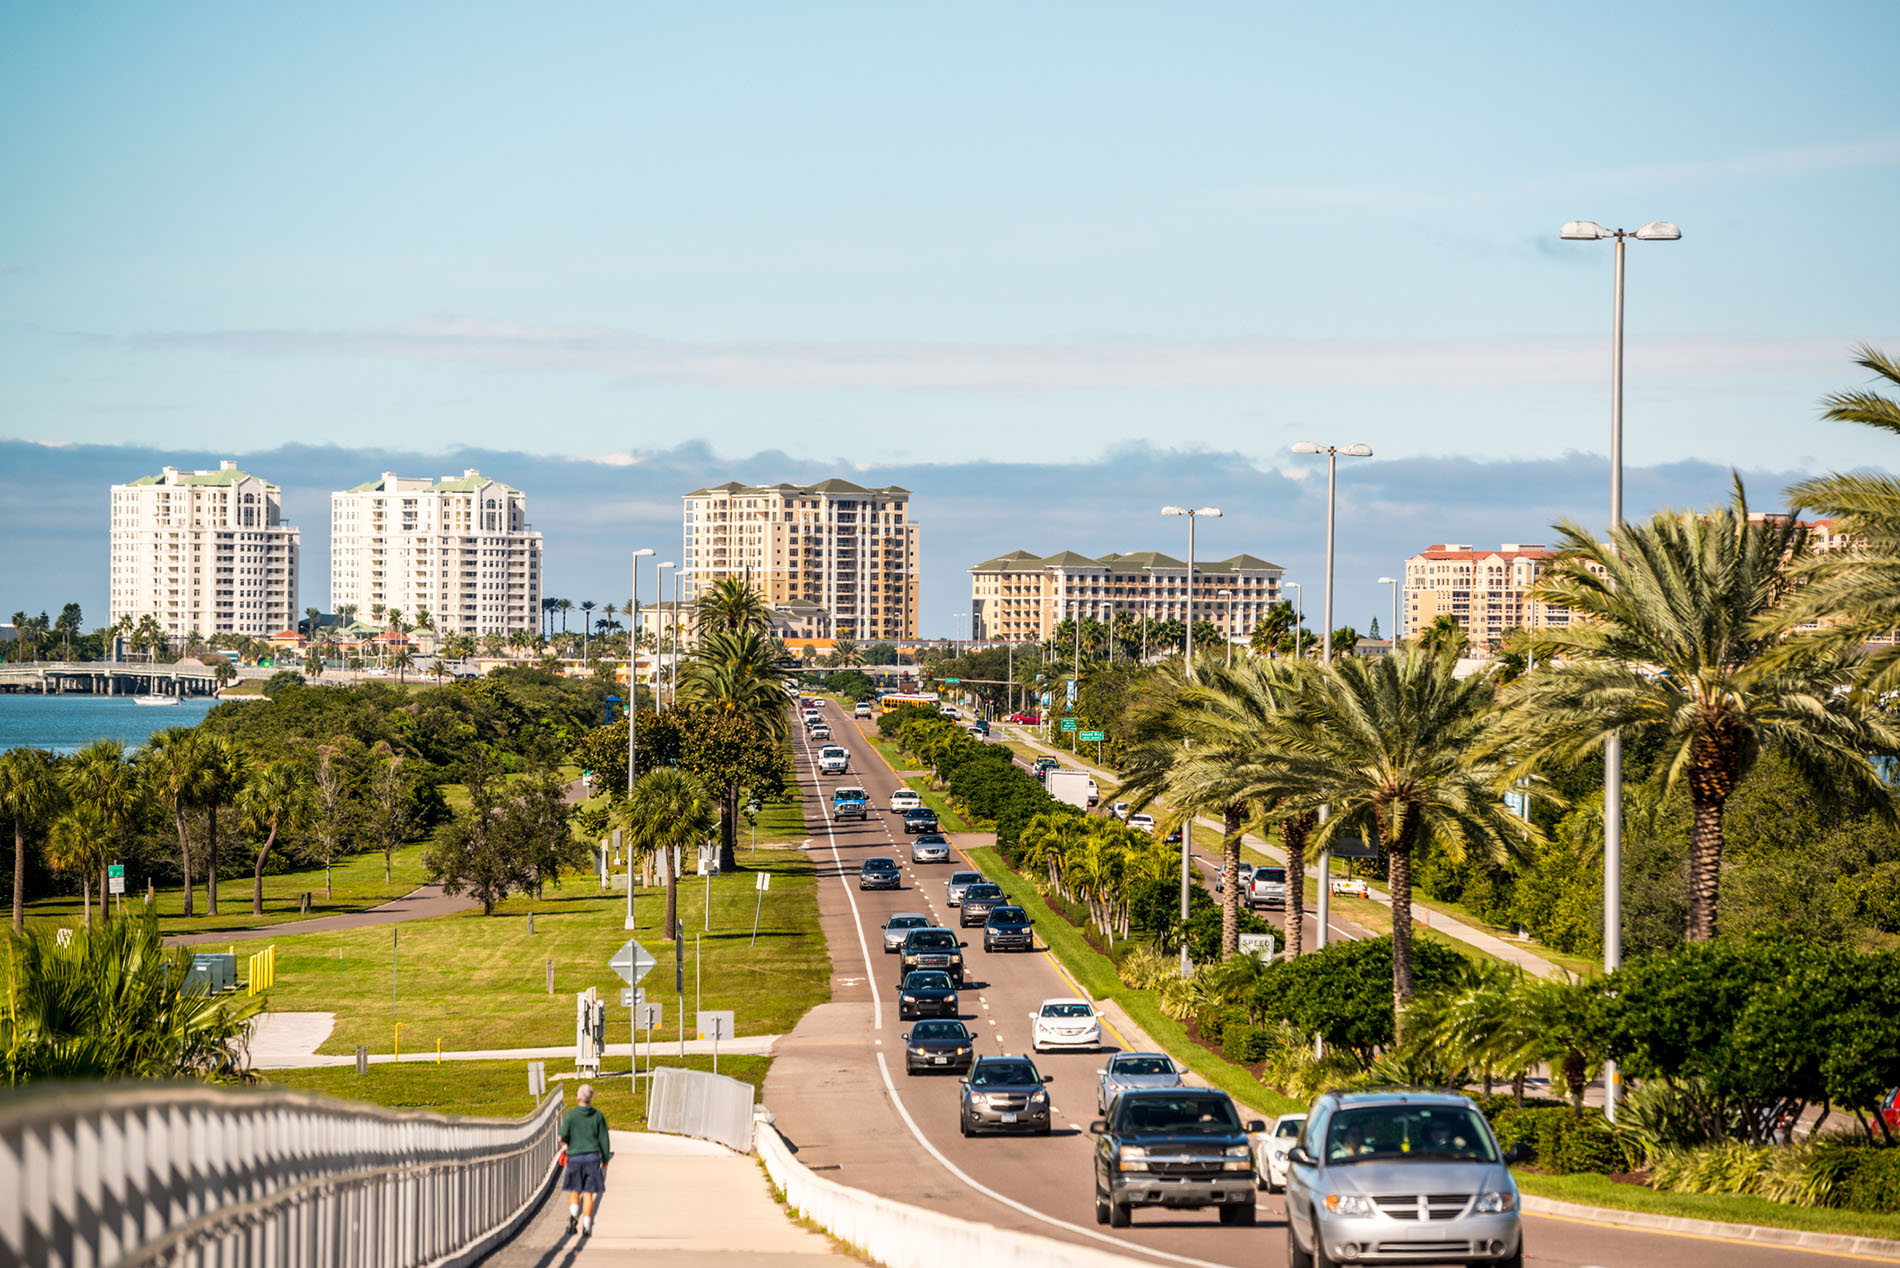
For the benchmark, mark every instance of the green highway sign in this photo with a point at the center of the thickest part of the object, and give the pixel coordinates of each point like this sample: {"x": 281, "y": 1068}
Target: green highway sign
{"x": 1092, "y": 735}
{"x": 951, "y": 682}
{"x": 1068, "y": 724}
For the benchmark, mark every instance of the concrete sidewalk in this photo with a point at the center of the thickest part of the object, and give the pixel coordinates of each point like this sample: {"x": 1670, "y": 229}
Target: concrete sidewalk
{"x": 673, "y": 1202}
{"x": 282, "y": 1041}
{"x": 1424, "y": 917}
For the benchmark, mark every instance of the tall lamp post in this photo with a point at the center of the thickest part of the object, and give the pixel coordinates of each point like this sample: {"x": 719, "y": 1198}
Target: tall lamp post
{"x": 659, "y": 638}
{"x": 1332, "y": 453}
{"x": 674, "y": 668}
{"x": 633, "y": 708}
{"x": 1394, "y": 635}
{"x": 1591, "y": 231}
{"x": 1187, "y": 640}
{"x": 1299, "y": 614}
{"x": 1229, "y": 596}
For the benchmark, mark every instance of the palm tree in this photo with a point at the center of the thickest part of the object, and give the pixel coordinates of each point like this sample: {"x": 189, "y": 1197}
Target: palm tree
{"x": 173, "y": 768}
{"x": 30, "y": 794}
{"x": 738, "y": 672}
{"x": 223, "y": 776}
{"x": 1674, "y": 638}
{"x": 438, "y": 670}
{"x": 731, "y": 604}
{"x": 77, "y": 842}
{"x": 564, "y": 606}
{"x": 587, "y": 625}
{"x": 101, "y": 776}
{"x": 667, "y": 811}
{"x": 274, "y": 800}
{"x": 1396, "y": 747}
{"x": 402, "y": 661}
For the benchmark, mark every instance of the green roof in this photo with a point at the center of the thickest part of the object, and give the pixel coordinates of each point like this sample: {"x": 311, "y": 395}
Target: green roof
{"x": 201, "y": 479}
{"x": 1070, "y": 559}
{"x": 1023, "y": 561}
{"x": 829, "y": 487}
{"x": 369, "y": 486}
{"x": 1014, "y": 561}
{"x": 1248, "y": 562}
{"x": 467, "y": 484}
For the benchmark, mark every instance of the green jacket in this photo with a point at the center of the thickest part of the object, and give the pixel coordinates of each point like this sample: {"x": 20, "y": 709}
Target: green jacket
{"x": 584, "y": 1128}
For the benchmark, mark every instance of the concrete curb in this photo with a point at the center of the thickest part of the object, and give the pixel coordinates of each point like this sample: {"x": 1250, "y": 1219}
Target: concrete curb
{"x": 1757, "y": 1234}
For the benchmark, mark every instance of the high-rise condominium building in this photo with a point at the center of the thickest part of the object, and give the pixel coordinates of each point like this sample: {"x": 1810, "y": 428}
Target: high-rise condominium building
{"x": 458, "y": 548}
{"x": 850, "y": 550}
{"x": 206, "y": 552}
{"x": 1022, "y": 598}
{"x": 1485, "y": 591}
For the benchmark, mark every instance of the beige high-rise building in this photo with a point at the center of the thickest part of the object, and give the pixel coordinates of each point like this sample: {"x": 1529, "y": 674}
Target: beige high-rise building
{"x": 1022, "y": 598}
{"x": 1485, "y": 591}
{"x": 847, "y": 549}
{"x": 206, "y": 552}
{"x": 459, "y": 548}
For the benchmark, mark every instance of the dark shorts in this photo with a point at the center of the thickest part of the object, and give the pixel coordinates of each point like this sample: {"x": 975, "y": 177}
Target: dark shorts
{"x": 585, "y": 1174}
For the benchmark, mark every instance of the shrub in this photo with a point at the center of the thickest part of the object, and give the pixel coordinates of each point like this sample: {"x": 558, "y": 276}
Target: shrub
{"x": 1562, "y": 1141}
{"x": 1826, "y": 1171}
{"x": 1215, "y": 1023}
{"x": 1144, "y": 967}
{"x": 1244, "y": 1045}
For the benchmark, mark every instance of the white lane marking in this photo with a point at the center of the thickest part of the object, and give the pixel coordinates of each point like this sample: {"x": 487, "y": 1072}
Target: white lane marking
{"x": 877, "y": 1000}
{"x": 1125, "y": 1247}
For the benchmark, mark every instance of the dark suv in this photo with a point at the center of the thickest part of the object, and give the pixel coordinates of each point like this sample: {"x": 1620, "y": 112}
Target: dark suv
{"x": 1003, "y": 1094}
{"x": 931, "y": 949}
{"x": 880, "y": 873}
{"x": 1008, "y": 929}
{"x": 978, "y": 902}
{"x": 1179, "y": 1147}
{"x": 919, "y": 820}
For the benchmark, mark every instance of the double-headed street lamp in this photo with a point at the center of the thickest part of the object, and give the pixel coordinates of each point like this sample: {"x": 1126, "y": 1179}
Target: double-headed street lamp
{"x": 1332, "y": 453}
{"x": 1394, "y": 635}
{"x": 1187, "y": 641}
{"x": 1299, "y": 614}
{"x": 659, "y": 638}
{"x": 1591, "y": 231}
{"x": 633, "y": 704}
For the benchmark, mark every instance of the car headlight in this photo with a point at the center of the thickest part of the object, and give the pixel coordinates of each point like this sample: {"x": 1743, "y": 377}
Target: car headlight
{"x": 1239, "y": 1151}
{"x": 963, "y": 1049}
{"x": 1040, "y": 1098}
{"x": 910, "y": 999}
{"x": 1348, "y": 1204}
{"x": 1134, "y": 1151}
{"x": 1495, "y": 1203}
{"x": 919, "y": 1051}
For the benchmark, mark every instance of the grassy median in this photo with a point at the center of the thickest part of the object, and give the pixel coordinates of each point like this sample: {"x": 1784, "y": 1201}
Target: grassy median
{"x": 1727, "y": 1208}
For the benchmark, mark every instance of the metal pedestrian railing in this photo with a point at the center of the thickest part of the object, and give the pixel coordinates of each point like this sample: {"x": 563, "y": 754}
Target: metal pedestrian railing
{"x": 180, "y": 1174}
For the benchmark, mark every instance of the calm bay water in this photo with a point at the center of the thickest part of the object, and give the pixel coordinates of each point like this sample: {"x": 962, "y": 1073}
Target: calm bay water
{"x": 66, "y": 724}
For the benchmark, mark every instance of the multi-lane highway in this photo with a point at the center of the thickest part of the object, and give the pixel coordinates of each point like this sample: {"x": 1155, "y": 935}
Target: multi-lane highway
{"x": 842, "y": 1098}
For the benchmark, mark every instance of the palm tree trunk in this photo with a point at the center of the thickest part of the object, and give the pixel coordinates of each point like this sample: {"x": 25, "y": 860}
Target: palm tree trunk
{"x": 1705, "y": 860}
{"x": 257, "y": 874}
{"x": 19, "y": 871}
{"x": 671, "y": 864}
{"x": 1293, "y": 835}
{"x": 184, "y": 853}
{"x": 1399, "y": 880}
{"x": 211, "y": 860}
{"x": 1230, "y": 880}
{"x": 729, "y": 831}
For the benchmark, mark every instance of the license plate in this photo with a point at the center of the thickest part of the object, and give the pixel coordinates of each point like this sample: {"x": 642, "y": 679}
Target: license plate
{"x": 1008, "y": 1117}
{"x": 940, "y": 1061}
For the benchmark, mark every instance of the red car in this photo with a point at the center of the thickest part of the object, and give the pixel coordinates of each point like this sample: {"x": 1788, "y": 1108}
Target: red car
{"x": 1026, "y": 719}
{"x": 1890, "y": 1109}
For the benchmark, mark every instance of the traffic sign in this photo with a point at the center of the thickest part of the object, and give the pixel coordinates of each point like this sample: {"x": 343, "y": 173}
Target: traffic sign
{"x": 632, "y": 996}
{"x": 1259, "y": 945}
{"x": 648, "y": 1016}
{"x": 951, "y": 682}
{"x": 715, "y": 1024}
{"x": 1068, "y": 724}
{"x": 632, "y": 962}
{"x": 1095, "y": 736}
{"x": 115, "y": 879}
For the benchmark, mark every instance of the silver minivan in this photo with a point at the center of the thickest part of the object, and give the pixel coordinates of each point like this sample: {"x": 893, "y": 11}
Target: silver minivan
{"x": 1400, "y": 1177}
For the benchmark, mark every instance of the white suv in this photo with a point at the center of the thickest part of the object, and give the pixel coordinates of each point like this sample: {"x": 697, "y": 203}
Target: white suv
{"x": 906, "y": 799}
{"x": 833, "y": 760}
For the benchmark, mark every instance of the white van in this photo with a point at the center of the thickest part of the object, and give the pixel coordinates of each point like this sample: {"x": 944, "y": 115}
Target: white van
{"x": 833, "y": 759}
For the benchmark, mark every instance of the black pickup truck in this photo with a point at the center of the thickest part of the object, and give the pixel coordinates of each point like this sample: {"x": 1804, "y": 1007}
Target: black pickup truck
{"x": 1179, "y": 1147}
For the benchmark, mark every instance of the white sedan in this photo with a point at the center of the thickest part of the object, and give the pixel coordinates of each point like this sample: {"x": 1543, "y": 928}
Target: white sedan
{"x": 1065, "y": 1023}
{"x": 1142, "y": 823}
{"x": 906, "y": 799}
{"x": 1350, "y": 887}
{"x": 1269, "y": 1151}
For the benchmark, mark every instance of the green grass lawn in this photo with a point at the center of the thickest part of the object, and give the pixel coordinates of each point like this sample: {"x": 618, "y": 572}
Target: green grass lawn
{"x": 1595, "y": 1190}
{"x": 1096, "y": 974}
{"x": 496, "y": 1089}
{"x": 474, "y": 981}
{"x": 947, "y": 818}
{"x": 357, "y": 885}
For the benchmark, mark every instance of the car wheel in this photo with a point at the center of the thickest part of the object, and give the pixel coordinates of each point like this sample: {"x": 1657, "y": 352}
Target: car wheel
{"x": 964, "y": 1122}
{"x": 1118, "y": 1215}
{"x": 1515, "y": 1261}
{"x": 1237, "y": 1214}
{"x": 1101, "y": 1209}
{"x": 1295, "y": 1257}
{"x": 1044, "y": 1131}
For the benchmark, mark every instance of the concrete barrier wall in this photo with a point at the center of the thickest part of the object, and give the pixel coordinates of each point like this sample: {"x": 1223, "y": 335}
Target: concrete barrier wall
{"x": 695, "y": 1103}
{"x": 898, "y": 1235}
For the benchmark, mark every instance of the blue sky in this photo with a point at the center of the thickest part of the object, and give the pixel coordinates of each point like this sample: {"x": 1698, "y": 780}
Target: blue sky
{"x": 868, "y": 238}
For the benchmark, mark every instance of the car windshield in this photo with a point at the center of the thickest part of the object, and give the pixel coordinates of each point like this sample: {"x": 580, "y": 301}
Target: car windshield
{"x": 1066, "y": 1010}
{"x": 1009, "y": 916}
{"x": 1177, "y": 1113}
{"x": 1403, "y": 1133}
{"x": 952, "y": 1030}
{"x": 930, "y": 981}
{"x": 981, "y": 892}
{"x": 907, "y": 922}
{"x": 931, "y": 838}
{"x": 1142, "y": 1065}
{"x": 1004, "y": 1073}
{"x": 879, "y": 865}
{"x": 932, "y": 940}
{"x": 1288, "y": 1127}
{"x": 967, "y": 878}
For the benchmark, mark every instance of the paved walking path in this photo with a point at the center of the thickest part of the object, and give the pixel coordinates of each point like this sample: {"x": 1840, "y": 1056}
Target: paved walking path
{"x": 1424, "y": 917}
{"x": 287, "y": 1041}
{"x": 674, "y": 1202}
{"x": 415, "y": 905}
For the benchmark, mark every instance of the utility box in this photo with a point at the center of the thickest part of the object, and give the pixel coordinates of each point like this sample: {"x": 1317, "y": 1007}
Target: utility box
{"x": 1077, "y": 787}
{"x": 590, "y": 1031}
{"x": 219, "y": 971}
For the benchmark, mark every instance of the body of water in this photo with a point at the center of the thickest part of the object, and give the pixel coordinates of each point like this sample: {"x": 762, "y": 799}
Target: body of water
{"x": 67, "y": 724}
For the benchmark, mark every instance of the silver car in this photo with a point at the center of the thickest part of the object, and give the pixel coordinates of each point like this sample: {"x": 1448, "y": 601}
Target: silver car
{"x": 958, "y": 882}
{"x": 898, "y": 927}
{"x": 1401, "y": 1177}
{"x": 932, "y": 847}
{"x": 1133, "y": 1069}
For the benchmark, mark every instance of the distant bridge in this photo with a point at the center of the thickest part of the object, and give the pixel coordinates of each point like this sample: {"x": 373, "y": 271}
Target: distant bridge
{"x": 109, "y": 678}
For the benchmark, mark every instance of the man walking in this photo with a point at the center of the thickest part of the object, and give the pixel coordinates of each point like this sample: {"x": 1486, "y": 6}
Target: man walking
{"x": 584, "y": 1132}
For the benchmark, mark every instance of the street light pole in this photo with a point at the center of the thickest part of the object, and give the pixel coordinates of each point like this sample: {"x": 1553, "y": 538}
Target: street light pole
{"x": 1229, "y": 596}
{"x": 659, "y": 639}
{"x": 1187, "y": 639}
{"x": 633, "y": 710}
{"x": 1332, "y": 453}
{"x": 1394, "y": 635}
{"x": 1590, "y": 231}
{"x": 674, "y": 668}
{"x": 1299, "y": 615}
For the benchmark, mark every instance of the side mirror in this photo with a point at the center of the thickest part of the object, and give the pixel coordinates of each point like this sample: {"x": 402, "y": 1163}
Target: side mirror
{"x": 1518, "y": 1153}
{"x": 905, "y": 1036}
{"x": 1254, "y": 1125}
{"x": 1048, "y": 1078}
{"x": 1298, "y": 1154}
{"x": 962, "y": 945}
{"x": 1098, "y": 1127}
{"x": 1101, "y": 1072}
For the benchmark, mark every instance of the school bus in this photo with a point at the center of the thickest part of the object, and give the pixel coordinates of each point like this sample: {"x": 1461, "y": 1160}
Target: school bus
{"x": 897, "y": 700}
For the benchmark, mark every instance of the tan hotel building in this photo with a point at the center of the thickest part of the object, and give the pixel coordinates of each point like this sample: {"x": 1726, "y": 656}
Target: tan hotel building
{"x": 1486, "y": 591}
{"x": 835, "y": 545}
{"x": 1022, "y": 598}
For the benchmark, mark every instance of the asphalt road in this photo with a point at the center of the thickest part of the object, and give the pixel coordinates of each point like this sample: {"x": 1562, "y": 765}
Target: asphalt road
{"x": 842, "y": 1099}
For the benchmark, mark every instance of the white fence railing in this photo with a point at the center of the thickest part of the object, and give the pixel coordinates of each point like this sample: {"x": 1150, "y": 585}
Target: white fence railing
{"x": 694, "y": 1103}
{"x": 898, "y": 1235}
{"x": 191, "y": 1175}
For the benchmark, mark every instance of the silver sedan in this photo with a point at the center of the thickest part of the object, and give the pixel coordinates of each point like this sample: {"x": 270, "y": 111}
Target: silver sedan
{"x": 898, "y": 927}
{"x": 932, "y": 847}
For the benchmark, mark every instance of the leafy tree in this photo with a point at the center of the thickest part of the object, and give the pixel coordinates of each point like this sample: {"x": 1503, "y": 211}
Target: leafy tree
{"x": 731, "y": 754}
{"x": 274, "y": 800}
{"x": 101, "y": 776}
{"x": 475, "y": 851}
{"x": 1344, "y": 992}
{"x": 1676, "y": 640}
{"x": 391, "y": 797}
{"x": 76, "y": 842}
{"x": 1445, "y": 631}
{"x": 333, "y": 795}
{"x": 30, "y": 795}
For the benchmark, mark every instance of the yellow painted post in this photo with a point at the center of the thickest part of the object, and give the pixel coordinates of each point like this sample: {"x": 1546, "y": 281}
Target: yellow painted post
{"x": 398, "y": 1043}
{"x": 438, "y": 1051}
